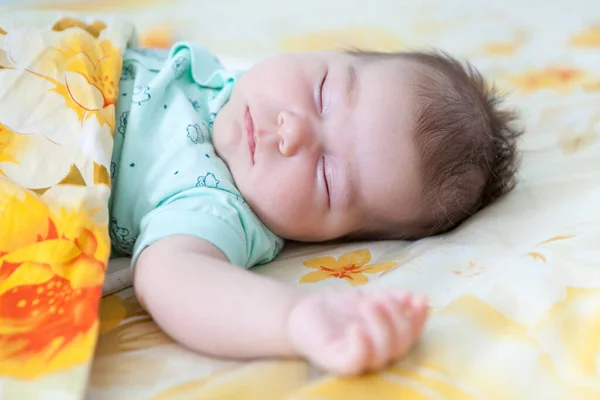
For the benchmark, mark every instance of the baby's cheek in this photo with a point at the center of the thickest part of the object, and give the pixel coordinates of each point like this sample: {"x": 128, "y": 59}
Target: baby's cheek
{"x": 283, "y": 198}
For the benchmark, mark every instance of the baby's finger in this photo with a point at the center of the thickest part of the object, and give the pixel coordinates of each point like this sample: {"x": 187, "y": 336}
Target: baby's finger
{"x": 378, "y": 327}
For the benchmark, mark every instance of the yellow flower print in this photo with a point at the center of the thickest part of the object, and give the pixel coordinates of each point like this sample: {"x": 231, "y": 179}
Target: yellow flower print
{"x": 501, "y": 352}
{"x": 538, "y": 255}
{"x": 471, "y": 270}
{"x": 572, "y": 142}
{"x": 393, "y": 383}
{"x": 157, "y": 37}
{"x": 369, "y": 38}
{"x": 560, "y": 79}
{"x": 94, "y": 6}
{"x": 578, "y": 349}
{"x": 506, "y": 48}
{"x": 496, "y": 49}
{"x": 557, "y": 238}
{"x": 74, "y": 77}
{"x": 351, "y": 267}
{"x": 93, "y": 29}
{"x": 10, "y": 145}
{"x": 588, "y": 38}
{"x": 265, "y": 380}
{"x": 91, "y": 80}
{"x": 112, "y": 313}
{"x": 125, "y": 327}
{"x": 51, "y": 273}
{"x": 14, "y": 200}
{"x": 84, "y": 70}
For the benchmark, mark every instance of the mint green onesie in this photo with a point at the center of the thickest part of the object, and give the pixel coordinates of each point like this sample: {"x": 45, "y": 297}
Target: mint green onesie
{"x": 166, "y": 178}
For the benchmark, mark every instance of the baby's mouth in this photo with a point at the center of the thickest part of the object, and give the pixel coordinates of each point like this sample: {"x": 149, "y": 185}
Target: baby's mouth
{"x": 249, "y": 131}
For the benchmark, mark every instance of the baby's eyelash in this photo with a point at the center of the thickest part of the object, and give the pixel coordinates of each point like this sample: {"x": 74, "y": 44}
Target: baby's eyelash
{"x": 325, "y": 177}
{"x": 321, "y": 91}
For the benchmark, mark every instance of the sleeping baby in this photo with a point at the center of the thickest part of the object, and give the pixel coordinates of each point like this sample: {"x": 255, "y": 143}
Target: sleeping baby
{"x": 213, "y": 169}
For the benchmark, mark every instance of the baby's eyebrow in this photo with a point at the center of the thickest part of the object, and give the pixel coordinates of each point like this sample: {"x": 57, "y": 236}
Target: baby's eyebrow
{"x": 351, "y": 85}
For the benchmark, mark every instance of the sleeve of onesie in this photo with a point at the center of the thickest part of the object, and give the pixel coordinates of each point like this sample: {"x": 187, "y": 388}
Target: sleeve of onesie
{"x": 217, "y": 216}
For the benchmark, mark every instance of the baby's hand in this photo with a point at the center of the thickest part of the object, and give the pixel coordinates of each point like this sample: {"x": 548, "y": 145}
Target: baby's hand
{"x": 354, "y": 332}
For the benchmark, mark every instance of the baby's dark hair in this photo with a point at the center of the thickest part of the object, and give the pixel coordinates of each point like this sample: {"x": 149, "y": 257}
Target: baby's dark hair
{"x": 466, "y": 139}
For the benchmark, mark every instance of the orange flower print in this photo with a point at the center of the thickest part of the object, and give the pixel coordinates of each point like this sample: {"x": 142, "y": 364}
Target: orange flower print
{"x": 351, "y": 267}
{"x": 52, "y": 266}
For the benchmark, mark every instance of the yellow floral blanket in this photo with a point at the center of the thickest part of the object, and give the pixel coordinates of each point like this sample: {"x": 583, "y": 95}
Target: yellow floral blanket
{"x": 58, "y": 87}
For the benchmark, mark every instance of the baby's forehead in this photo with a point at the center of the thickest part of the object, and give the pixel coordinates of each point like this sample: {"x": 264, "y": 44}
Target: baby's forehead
{"x": 388, "y": 173}
{"x": 388, "y": 97}
{"x": 392, "y": 196}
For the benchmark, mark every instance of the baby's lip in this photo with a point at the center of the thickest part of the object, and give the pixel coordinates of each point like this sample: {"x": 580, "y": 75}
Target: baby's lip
{"x": 249, "y": 131}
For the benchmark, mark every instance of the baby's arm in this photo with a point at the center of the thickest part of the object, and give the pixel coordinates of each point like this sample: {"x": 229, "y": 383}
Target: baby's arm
{"x": 196, "y": 296}
{"x": 211, "y": 306}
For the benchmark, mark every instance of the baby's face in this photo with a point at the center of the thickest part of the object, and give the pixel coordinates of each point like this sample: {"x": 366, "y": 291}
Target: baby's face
{"x": 320, "y": 144}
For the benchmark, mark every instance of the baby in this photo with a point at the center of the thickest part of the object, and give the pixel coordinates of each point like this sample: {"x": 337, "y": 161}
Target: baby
{"x": 213, "y": 169}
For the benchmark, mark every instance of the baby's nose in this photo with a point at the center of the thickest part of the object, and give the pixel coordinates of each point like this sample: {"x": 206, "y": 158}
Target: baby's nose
{"x": 295, "y": 133}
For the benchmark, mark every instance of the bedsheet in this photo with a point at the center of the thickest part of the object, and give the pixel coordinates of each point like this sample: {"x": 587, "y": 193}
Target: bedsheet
{"x": 515, "y": 291}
